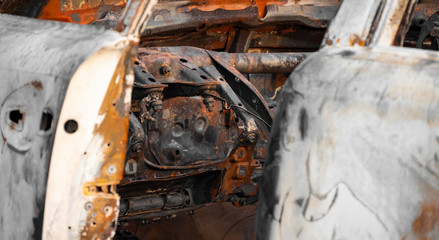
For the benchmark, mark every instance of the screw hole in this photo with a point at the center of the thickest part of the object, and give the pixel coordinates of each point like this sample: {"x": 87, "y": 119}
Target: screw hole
{"x": 240, "y": 104}
{"x": 136, "y": 62}
{"x": 71, "y": 126}
{"x": 221, "y": 79}
{"x": 201, "y": 27}
{"x": 183, "y": 60}
{"x": 236, "y": 120}
{"x": 151, "y": 79}
{"x": 177, "y": 152}
{"x": 203, "y": 77}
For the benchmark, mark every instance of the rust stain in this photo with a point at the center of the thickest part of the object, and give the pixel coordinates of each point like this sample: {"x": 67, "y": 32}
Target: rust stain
{"x": 37, "y": 85}
{"x": 83, "y": 15}
{"x": 211, "y": 5}
{"x": 356, "y": 40}
{"x": 427, "y": 221}
{"x": 102, "y": 211}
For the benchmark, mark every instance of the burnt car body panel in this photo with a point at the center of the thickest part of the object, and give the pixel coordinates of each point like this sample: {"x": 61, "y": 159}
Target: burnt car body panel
{"x": 353, "y": 149}
{"x": 35, "y": 75}
{"x": 46, "y": 67}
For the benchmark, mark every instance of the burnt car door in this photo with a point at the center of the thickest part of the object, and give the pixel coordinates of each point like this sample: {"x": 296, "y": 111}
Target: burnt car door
{"x": 354, "y": 144}
{"x": 63, "y": 104}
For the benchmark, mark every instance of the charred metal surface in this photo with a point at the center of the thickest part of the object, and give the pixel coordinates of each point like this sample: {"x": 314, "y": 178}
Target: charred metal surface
{"x": 248, "y": 14}
{"x": 235, "y": 27}
{"x": 82, "y": 12}
{"x": 370, "y": 23}
{"x": 32, "y": 95}
{"x": 96, "y": 124}
{"x": 354, "y": 123}
{"x": 198, "y": 129}
{"x": 221, "y": 221}
{"x": 264, "y": 63}
{"x": 30, "y": 8}
{"x": 360, "y": 138}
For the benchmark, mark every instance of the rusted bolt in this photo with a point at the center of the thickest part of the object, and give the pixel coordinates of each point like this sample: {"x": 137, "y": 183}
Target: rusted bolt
{"x": 252, "y": 137}
{"x": 157, "y": 104}
{"x": 209, "y": 102}
{"x": 111, "y": 169}
{"x": 137, "y": 147}
{"x": 107, "y": 210}
{"x": 165, "y": 70}
{"x": 88, "y": 206}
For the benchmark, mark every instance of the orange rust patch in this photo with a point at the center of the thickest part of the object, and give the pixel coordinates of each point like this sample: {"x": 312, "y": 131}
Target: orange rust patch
{"x": 102, "y": 210}
{"x": 101, "y": 217}
{"x": 427, "y": 220}
{"x": 210, "y": 5}
{"x": 52, "y": 11}
{"x": 37, "y": 85}
{"x": 356, "y": 40}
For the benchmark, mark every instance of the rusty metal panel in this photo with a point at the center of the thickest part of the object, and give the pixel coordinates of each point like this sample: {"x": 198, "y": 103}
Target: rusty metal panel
{"x": 75, "y": 5}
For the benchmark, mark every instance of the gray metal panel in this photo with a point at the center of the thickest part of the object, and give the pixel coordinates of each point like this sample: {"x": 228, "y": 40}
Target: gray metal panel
{"x": 37, "y": 60}
{"x": 354, "y": 148}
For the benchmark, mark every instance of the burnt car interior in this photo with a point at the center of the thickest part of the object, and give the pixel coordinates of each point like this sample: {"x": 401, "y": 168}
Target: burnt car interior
{"x": 207, "y": 79}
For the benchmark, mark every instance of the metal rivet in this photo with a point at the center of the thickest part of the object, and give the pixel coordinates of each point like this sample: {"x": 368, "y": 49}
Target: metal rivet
{"x": 111, "y": 169}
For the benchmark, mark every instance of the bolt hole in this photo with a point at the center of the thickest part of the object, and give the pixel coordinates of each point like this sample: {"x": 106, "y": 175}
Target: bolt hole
{"x": 46, "y": 121}
{"x": 108, "y": 144}
{"x": 183, "y": 60}
{"x": 15, "y": 116}
{"x": 136, "y": 62}
{"x": 177, "y": 152}
{"x": 71, "y": 126}
{"x": 70, "y": 227}
{"x": 221, "y": 79}
{"x": 201, "y": 27}
{"x": 143, "y": 71}
{"x": 236, "y": 120}
{"x": 194, "y": 69}
{"x": 240, "y": 104}
{"x": 151, "y": 79}
{"x": 203, "y": 77}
